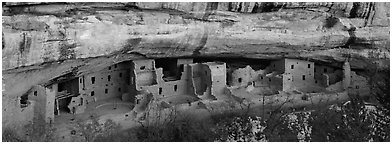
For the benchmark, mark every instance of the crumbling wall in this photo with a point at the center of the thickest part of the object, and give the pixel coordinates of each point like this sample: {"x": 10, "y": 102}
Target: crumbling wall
{"x": 164, "y": 88}
{"x": 77, "y": 104}
{"x": 244, "y": 76}
{"x": 142, "y": 101}
{"x": 325, "y": 76}
{"x": 145, "y": 73}
{"x": 200, "y": 77}
{"x": 110, "y": 82}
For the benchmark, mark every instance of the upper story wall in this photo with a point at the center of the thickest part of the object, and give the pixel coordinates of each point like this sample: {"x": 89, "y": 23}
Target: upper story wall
{"x": 110, "y": 82}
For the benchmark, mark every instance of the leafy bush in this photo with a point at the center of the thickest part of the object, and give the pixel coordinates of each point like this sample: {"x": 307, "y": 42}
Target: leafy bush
{"x": 92, "y": 130}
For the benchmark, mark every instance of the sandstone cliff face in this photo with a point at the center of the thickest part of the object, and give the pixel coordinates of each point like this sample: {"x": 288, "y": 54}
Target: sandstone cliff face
{"x": 35, "y": 33}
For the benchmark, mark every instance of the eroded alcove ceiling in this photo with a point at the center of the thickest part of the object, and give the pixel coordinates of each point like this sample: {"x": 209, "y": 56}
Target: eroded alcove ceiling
{"x": 44, "y": 41}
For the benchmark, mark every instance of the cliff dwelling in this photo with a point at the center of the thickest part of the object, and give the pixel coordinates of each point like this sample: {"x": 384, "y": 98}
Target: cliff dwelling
{"x": 129, "y": 86}
{"x": 135, "y": 65}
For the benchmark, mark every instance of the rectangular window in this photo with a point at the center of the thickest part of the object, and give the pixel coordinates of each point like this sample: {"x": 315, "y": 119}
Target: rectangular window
{"x": 120, "y": 74}
{"x": 110, "y": 68}
{"x": 303, "y": 77}
{"x": 80, "y": 80}
{"x": 160, "y": 91}
{"x": 92, "y": 93}
{"x": 269, "y": 79}
{"x": 325, "y": 70}
{"x": 175, "y": 88}
{"x": 106, "y": 91}
{"x": 35, "y": 93}
{"x": 308, "y": 65}
{"x": 119, "y": 89}
{"x": 115, "y": 66}
{"x": 261, "y": 77}
{"x": 92, "y": 80}
{"x": 109, "y": 77}
{"x": 292, "y": 66}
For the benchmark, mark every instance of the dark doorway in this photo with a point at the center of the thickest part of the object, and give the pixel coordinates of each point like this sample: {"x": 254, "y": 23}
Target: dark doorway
{"x": 63, "y": 105}
{"x": 71, "y": 86}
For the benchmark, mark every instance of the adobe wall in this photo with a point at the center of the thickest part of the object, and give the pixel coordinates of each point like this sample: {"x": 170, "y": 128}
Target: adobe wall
{"x": 15, "y": 117}
{"x": 165, "y": 88}
{"x": 301, "y": 73}
{"x": 200, "y": 78}
{"x": 110, "y": 82}
{"x": 325, "y": 75}
{"x": 38, "y": 95}
{"x": 51, "y": 92}
{"x": 248, "y": 75}
{"x": 77, "y": 104}
{"x": 145, "y": 73}
{"x": 217, "y": 78}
